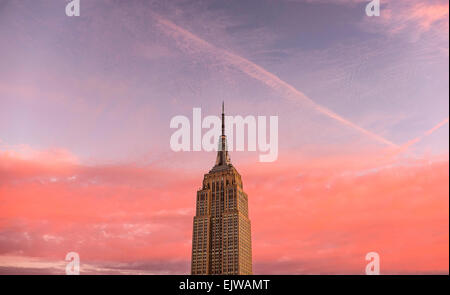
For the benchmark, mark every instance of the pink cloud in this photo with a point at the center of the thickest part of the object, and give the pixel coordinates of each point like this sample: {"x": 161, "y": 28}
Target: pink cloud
{"x": 426, "y": 14}
{"x": 332, "y": 218}
{"x": 413, "y": 17}
{"x": 325, "y": 215}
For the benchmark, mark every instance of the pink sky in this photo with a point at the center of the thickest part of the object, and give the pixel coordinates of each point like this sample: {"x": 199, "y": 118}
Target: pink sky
{"x": 85, "y": 107}
{"x": 325, "y": 213}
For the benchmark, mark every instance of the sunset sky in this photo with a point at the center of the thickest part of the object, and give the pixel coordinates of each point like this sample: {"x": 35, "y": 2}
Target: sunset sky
{"x": 363, "y": 108}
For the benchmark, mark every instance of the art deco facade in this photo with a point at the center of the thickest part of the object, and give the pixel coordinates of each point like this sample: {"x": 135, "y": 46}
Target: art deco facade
{"x": 221, "y": 242}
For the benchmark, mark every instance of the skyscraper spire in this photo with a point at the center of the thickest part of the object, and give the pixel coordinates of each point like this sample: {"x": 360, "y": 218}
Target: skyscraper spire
{"x": 223, "y": 118}
{"x": 222, "y": 153}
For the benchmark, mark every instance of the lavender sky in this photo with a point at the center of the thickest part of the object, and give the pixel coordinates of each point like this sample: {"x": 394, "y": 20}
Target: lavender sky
{"x": 107, "y": 83}
{"x": 99, "y": 91}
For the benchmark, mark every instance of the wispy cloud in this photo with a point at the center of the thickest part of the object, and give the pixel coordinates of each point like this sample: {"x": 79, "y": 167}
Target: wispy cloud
{"x": 192, "y": 43}
{"x": 415, "y": 140}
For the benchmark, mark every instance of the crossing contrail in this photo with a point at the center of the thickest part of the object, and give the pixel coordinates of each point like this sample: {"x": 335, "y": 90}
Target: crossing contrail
{"x": 427, "y": 133}
{"x": 189, "y": 42}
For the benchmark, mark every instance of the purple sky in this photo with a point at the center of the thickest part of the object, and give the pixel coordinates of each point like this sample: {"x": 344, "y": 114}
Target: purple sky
{"x": 86, "y": 102}
{"x": 106, "y": 84}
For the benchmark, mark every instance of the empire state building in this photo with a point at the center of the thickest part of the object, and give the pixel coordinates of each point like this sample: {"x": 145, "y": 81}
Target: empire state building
{"x": 221, "y": 239}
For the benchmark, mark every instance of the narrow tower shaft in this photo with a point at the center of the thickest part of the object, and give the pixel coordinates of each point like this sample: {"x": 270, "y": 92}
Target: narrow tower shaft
{"x": 223, "y": 118}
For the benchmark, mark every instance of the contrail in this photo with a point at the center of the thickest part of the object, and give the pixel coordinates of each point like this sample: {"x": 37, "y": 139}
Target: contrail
{"x": 185, "y": 39}
{"x": 407, "y": 145}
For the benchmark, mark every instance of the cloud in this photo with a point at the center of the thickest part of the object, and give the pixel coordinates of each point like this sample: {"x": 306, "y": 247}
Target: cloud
{"x": 333, "y": 214}
{"x": 192, "y": 44}
{"x": 401, "y": 15}
{"x": 22, "y": 265}
{"x": 404, "y": 16}
{"x": 411, "y": 17}
{"x": 328, "y": 212}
